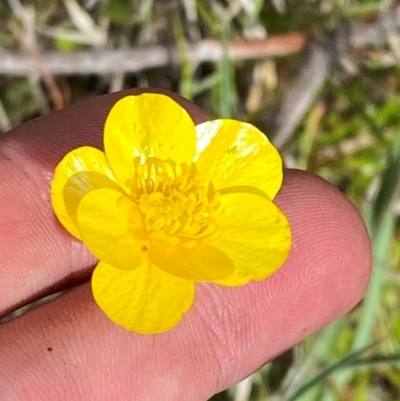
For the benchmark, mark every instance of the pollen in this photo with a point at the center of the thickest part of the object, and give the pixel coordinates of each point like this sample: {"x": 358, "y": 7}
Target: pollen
{"x": 175, "y": 199}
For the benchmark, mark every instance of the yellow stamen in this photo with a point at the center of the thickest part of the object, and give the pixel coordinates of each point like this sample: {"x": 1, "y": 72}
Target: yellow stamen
{"x": 175, "y": 199}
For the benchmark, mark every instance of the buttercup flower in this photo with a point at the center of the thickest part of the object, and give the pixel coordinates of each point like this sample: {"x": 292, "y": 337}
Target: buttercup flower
{"x": 169, "y": 204}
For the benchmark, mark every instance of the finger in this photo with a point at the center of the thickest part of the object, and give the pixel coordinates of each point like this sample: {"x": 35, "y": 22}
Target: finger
{"x": 69, "y": 350}
{"x": 38, "y": 256}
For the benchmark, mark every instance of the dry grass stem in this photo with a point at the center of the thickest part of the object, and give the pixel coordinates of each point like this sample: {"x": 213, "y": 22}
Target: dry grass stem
{"x": 139, "y": 59}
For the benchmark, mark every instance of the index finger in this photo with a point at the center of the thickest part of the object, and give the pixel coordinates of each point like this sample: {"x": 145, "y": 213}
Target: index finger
{"x": 227, "y": 334}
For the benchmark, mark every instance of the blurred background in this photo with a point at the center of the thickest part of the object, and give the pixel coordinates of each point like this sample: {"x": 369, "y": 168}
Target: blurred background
{"x": 320, "y": 77}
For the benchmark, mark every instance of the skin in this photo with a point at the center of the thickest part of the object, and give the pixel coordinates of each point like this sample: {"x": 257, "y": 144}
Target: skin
{"x": 67, "y": 349}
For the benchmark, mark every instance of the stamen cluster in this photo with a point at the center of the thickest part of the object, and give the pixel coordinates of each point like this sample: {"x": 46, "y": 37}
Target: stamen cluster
{"x": 174, "y": 198}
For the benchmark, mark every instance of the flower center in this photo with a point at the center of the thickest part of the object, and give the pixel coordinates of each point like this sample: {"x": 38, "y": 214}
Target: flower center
{"x": 175, "y": 199}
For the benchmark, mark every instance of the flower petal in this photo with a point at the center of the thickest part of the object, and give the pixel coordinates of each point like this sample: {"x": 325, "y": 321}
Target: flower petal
{"x": 80, "y": 171}
{"x": 197, "y": 261}
{"x": 235, "y": 153}
{"x": 254, "y": 233}
{"x": 149, "y": 125}
{"x": 112, "y": 228}
{"x": 145, "y": 300}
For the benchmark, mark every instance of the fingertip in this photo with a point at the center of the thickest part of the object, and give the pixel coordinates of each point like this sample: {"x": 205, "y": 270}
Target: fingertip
{"x": 325, "y": 220}
{"x": 325, "y": 275}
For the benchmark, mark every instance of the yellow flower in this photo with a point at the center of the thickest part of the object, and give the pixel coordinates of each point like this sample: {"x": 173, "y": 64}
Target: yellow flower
{"x": 169, "y": 204}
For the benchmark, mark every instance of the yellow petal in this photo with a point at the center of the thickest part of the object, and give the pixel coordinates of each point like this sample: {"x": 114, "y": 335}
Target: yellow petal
{"x": 197, "y": 262}
{"x": 145, "y": 300}
{"x": 112, "y": 228}
{"x": 80, "y": 171}
{"x": 150, "y": 125}
{"x": 254, "y": 233}
{"x": 235, "y": 153}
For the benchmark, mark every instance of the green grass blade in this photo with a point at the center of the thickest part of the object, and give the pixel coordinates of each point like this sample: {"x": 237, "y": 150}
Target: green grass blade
{"x": 382, "y": 225}
{"x": 343, "y": 363}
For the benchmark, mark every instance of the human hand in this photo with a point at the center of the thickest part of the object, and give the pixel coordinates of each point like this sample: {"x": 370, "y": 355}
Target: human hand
{"x": 68, "y": 349}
